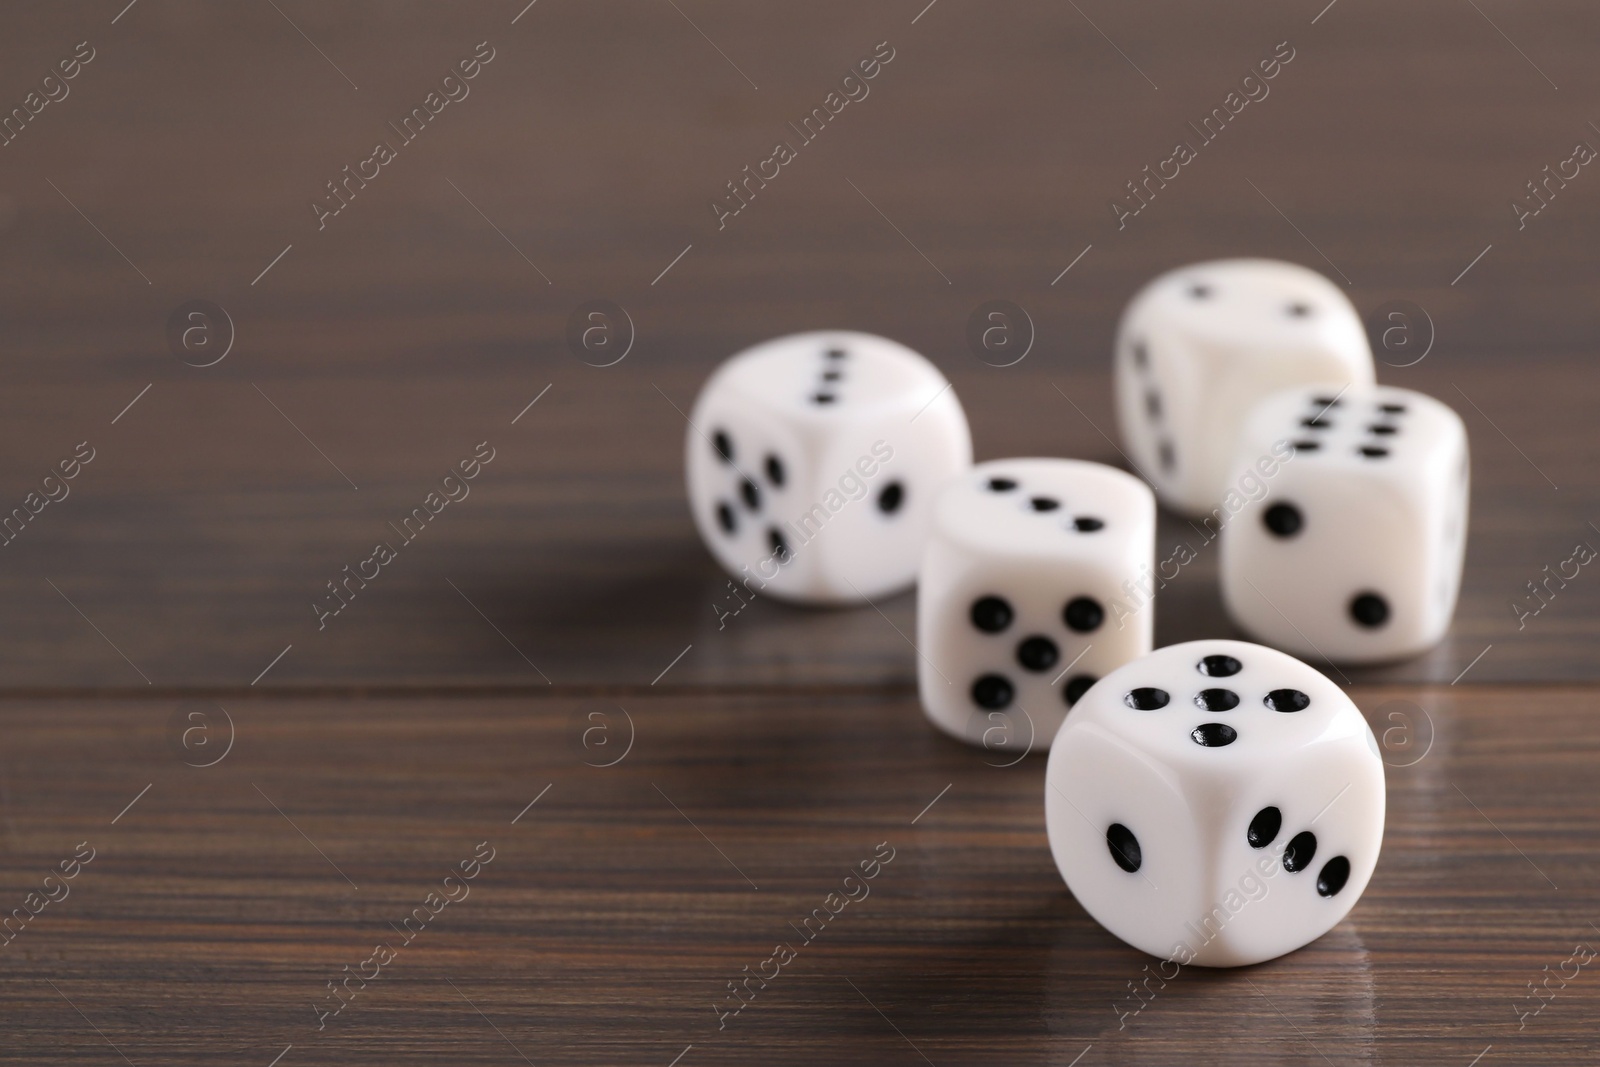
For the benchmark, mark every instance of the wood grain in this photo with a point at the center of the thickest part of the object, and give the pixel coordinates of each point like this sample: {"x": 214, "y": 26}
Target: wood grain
{"x": 616, "y": 909}
{"x": 383, "y": 347}
{"x": 172, "y": 588}
{"x": 575, "y": 544}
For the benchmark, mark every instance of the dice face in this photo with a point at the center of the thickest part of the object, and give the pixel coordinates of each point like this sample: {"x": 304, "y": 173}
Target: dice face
{"x": 812, "y": 463}
{"x": 1030, "y": 590}
{"x": 1215, "y": 802}
{"x": 1354, "y": 552}
{"x": 1199, "y": 346}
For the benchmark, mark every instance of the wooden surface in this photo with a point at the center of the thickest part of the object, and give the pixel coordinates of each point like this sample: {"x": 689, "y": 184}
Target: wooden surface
{"x": 169, "y": 593}
{"x": 618, "y": 907}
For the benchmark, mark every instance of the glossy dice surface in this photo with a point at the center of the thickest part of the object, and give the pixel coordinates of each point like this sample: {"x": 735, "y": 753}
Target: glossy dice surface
{"x": 1353, "y": 553}
{"x": 812, "y": 463}
{"x": 1199, "y": 346}
{"x": 1028, "y": 593}
{"x": 1215, "y": 802}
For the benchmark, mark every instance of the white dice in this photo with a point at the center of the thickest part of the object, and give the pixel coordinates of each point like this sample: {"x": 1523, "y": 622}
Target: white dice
{"x": 812, "y": 463}
{"x": 1035, "y": 582}
{"x": 1199, "y": 346}
{"x": 1353, "y": 553}
{"x": 1215, "y": 802}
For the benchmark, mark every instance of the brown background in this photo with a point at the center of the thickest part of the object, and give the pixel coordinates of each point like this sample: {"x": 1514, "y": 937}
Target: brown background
{"x": 189, "y": 551}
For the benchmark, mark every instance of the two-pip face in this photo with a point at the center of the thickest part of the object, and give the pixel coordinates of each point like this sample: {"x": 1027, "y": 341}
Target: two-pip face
{"x": 1199, "y": 346}
{"x": 1354, "y": 553}
{"x": 1215, "y": 802}
{"x": 812, "y": 462}
{"x": 1024, "y": 596}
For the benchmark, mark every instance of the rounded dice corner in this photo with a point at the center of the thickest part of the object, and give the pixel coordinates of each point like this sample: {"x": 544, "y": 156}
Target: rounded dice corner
{"x": 836, "y": 432}
{"x": 1217, "y": 856}
{"x": 1198, "y": 346}
{"x": 1016, "y": 588}
{"x": 1332, "y": 552}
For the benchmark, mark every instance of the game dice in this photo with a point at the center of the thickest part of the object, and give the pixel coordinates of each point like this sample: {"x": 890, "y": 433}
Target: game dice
{"x": 1198, "y": 346}
{"x": 1354, "y": 552}
{"x": 1215, "y": 802}
{"x": 1034, "y": 583}
{"x": 813, "y": 460}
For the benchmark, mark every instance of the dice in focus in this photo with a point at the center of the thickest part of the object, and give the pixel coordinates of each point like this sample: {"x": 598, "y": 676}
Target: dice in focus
{"x": 1036, "y": 581}
{"x": 1354, "y": 552}
{"x": 812, "y": 463}
{"x": 1200, "y": 345}
{"x": 1216, "y": 803}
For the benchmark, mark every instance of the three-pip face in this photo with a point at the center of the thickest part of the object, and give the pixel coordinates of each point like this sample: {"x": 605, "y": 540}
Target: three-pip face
{"x": 1199, "y": 346}
{"x": 1354, "y": 552}
{"x": 812, "y": 462}
{"x": 1215, "y": 802}
{"x": 1028, "y": 594}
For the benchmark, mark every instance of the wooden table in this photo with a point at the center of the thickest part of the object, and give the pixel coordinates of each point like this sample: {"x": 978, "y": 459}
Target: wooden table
{"x": 539, "y": 688}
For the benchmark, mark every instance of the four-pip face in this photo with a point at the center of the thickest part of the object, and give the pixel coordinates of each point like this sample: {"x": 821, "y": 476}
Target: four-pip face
{"x": 812, "y": 462}
{"x": 1215, "y": 802}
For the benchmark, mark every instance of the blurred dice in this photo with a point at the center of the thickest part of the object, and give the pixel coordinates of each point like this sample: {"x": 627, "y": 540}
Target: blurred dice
{"x": 1199, "y": 346}
{"x": 812, "y": 463}
{"x": 1352, "y": 551}
{"x": 1036, "y": 581}
{"x": 1216, "y": 803}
